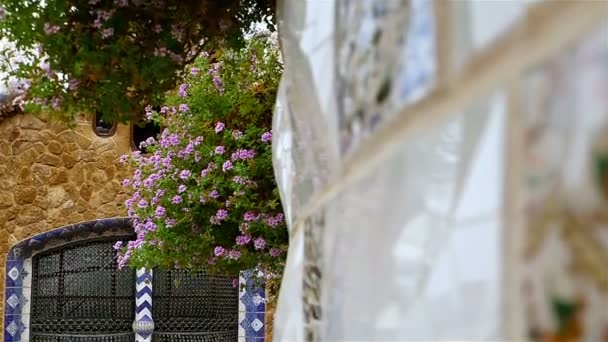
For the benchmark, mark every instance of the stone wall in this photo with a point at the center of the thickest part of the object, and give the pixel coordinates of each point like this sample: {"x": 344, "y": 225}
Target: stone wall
{"x": 52, "y": 176}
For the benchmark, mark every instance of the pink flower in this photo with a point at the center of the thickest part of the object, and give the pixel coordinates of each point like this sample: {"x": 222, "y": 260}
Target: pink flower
{"x": 160, "y": 211}
{"x": 126, "y": 182}
{"x": 150, "y": 226}
{"x": 267, "y": 136}
{"x": 259, "y": 243}
{"x": 183, "y": 90}
{"x": 275, "y": 252}
{"x": 107, "y": 33}
{"x": 221, "y": 214}
{"x": 234, "y": 254}
{"x": 219, "y": 127}
{"x": 183, "y": 108}
{"x": 117, "y": 245}
{"x": 219, "y": 251}
{"x": 227, "y": 166}
{"x": 214, "y": 194}
{"x": 220, "y": 150}
{"x": 180, "y": 189}
{"x": 176, "y": 199}
{"x": 195, "y": 71}
{"x": 250, "y": 216}
{"x": 142, "y": 203}
{"x": 185, "y": 174}
{"x": 236, "y": 134}
{"x": 243, "y": 240}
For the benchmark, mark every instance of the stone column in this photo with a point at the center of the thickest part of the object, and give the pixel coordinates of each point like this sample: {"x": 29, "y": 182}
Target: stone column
{"x": 143, "y": 324}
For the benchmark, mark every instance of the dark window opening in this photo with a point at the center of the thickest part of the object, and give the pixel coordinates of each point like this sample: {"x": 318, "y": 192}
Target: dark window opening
{"x": 142, "y": 131}
{"x": 102, "y": 127}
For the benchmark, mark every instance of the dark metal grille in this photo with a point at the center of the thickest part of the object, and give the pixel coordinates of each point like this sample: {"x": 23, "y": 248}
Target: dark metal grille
{"x": 78, "y": 294}
{"x": 194, "y": 307}
{"x": 195, "y": 337}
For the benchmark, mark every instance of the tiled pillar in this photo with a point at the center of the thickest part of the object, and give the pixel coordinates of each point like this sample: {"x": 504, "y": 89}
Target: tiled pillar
{"x": 252, "y": 308}
{"x": 143, "y": 325}
{"x": 17, "y": 293}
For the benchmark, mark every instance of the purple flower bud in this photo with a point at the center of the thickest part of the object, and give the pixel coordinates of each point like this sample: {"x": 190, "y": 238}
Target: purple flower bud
{"x": 160, "y": 211}
{"x": 219, "y": 251}
{"x": 214, "y": 194}
{"x": 250, "y": 216}
{"x": 259, "y": 243}
{"x": 183, "y": 90}
{"x": 243, "y": 240}
{"x": 236, "y": 134}
{"x": 118, "y": 245}
{"x": 219, "y": 127}
{"x": 185, "y": 174}
{"x": 221, "y": 214}
{"x": 267, "y": 136}
{"x": 234, "y": 254}
{"x": 227, "y": 166}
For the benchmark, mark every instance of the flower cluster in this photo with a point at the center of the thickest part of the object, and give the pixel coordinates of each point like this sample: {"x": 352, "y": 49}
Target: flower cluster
{"x": 115, "y": 55}
{"x": 204, "y": 195}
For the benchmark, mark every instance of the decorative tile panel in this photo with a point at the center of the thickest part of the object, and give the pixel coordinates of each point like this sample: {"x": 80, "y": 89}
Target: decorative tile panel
{"x": 252, "y": 298}
{"x": 143, "y": 325}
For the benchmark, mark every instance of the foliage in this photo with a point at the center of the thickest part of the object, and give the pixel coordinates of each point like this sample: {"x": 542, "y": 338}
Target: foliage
{"x": 205, "y": 194}
{"x": 114, "y": 56}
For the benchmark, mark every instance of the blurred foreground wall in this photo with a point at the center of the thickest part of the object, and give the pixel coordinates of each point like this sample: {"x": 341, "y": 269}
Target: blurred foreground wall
{"x": 444, "y": 167}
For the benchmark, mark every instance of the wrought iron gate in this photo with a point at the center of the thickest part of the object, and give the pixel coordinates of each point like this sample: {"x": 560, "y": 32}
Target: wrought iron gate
{"x": 78, "y": 294}
{"x": 187, "y": 304}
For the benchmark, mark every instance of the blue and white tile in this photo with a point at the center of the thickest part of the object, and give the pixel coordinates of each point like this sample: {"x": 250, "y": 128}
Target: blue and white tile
{"x": 13, "y": 328}
{"x": 27, "y": 273}
{"x": 254, "y": 339}
{"x": 254, "y": 301}
{"x": 14, "y": 300}
{"x": 26, "y": 302}
{"x": 25, "y": 335}
{"x": 242, "y": 331}
{"x": 14, "y": 273}
{"x": 254, "y": 324}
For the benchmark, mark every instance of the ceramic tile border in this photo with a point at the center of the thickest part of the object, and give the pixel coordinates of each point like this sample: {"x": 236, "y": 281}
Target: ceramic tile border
{"x": 252, "y": 308}
{"x": 17, "y": 291}
{"x": 143, "y": 325}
